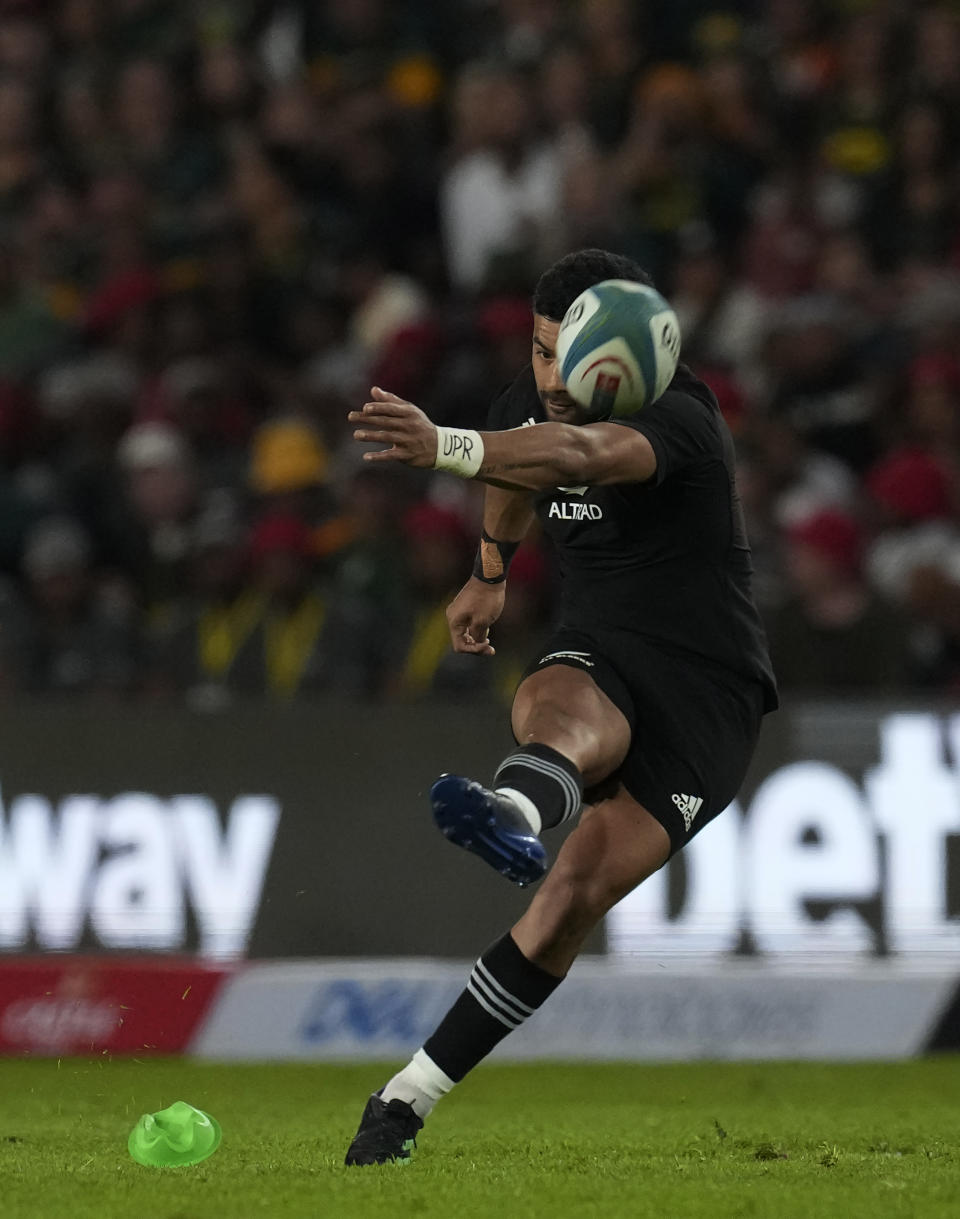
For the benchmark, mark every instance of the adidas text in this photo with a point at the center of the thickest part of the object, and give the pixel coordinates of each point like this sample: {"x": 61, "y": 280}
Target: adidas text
{"x": 689, "y": 806}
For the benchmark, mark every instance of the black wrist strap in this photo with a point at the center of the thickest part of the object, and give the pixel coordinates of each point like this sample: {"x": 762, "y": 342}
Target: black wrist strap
{"x": 493, "y": 559}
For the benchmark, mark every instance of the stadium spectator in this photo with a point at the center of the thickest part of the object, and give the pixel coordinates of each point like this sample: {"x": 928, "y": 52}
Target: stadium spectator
{"x": 833, "y": 635}
{"x": 198, "y": 641}
{"x": 282, "y": 657}
{"x": 932, "y": 405}
{"x": 935, "y": 70}
{"x": 288, "y": 467}
{"x": 369, "y": 589}
{"x": 67, "y": 633}
{"x": 915, "y": 558}
{"x": 818, "y": 386}
{"x": 721, "y": 320}
{"x": 224, "y": 220}
{"x": 194, "y": 394}
{"x": 610, "y": 32}
{"x": 913, "y": 214}
{"x": 499, "y": 198}
{"x": 160, "y": 491}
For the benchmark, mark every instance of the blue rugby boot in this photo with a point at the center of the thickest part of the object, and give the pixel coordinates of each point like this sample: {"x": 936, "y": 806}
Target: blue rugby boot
{"x": 489, "y": 825}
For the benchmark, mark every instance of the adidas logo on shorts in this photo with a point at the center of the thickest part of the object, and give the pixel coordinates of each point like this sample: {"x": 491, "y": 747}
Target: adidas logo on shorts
{"x": 689, "y": 806}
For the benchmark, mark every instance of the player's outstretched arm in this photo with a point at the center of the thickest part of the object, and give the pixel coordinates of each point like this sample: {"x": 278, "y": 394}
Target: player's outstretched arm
{"x": 530, "y": 458}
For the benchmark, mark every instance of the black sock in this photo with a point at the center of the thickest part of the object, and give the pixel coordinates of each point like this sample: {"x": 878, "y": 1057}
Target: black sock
{"x": 504, "y": 989}
{"x": 549, "y": 779}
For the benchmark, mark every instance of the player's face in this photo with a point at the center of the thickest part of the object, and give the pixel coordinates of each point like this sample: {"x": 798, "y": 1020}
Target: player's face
{"x": 558, "y": 404}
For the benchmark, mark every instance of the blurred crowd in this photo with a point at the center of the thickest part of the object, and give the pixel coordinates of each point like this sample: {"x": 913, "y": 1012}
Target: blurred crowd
{"x": 221, "y": 221}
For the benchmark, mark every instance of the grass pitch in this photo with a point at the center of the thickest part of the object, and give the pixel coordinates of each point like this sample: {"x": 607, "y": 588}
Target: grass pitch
{"x": 700, "y": 1141}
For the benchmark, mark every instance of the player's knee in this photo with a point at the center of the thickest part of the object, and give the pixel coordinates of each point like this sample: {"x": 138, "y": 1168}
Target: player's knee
{"x": 555, "y": 698}
{"x": 552, "y": 722}
{"x": 579, "y": 897}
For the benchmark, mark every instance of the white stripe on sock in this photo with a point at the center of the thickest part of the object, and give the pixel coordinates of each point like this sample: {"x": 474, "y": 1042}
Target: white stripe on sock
{"x": 501, "y": 992}
{"x": 571, "y": 796}
{"x": 541, "y": 764}
{"x": 511, "y": 1024}
{"x": 566, "y": 781}
{"x": 552, "y": 771}
{"x": 496, "y": 999}
{"x": 496, "y": 992}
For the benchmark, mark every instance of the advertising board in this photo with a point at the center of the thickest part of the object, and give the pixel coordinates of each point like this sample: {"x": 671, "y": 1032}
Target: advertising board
{"x": 306, "y": 832}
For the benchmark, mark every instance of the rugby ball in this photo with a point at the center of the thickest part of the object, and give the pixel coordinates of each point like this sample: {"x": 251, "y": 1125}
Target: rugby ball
{"x": 618, "y": 348}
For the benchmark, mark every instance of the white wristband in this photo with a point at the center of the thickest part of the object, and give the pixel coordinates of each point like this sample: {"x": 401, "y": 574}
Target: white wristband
{"x": 459, "y": 451}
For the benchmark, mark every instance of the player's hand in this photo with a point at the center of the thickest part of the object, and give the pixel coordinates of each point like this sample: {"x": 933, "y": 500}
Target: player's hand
{"x": 472, "y": 613}
{"x": 390, "y": 420}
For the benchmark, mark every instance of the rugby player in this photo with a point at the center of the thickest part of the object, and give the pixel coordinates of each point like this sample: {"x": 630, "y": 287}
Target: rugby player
{"x": 643, "y": 709}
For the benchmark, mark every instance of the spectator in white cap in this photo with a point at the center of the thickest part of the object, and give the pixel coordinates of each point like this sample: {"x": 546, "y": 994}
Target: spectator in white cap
{"x": 160, "y": 487}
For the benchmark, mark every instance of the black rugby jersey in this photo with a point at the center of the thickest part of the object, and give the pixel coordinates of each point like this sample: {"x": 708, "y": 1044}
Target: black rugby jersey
{"x": 667, "y": 559}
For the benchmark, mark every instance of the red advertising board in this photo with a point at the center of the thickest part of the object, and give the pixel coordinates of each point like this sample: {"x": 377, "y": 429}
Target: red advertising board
{"x": 95, "y": 1005}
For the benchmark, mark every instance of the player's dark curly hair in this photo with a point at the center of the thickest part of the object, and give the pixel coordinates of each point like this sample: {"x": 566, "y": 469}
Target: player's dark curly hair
{"x": 560, "y": 285}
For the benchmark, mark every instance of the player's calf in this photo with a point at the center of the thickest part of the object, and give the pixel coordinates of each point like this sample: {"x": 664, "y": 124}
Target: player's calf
{"x": 616, "y": 846}
{"x": 503, "y": 991}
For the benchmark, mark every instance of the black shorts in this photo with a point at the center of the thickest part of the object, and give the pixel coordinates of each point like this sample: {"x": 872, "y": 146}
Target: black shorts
{"x": 693, "y": 726}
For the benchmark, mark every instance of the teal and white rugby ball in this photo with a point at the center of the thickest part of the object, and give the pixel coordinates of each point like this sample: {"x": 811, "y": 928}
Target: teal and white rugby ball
{"x": 618, "y": 348}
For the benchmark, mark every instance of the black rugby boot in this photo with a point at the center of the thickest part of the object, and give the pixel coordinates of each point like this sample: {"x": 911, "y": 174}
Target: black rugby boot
{"x": 387, "y": 1133}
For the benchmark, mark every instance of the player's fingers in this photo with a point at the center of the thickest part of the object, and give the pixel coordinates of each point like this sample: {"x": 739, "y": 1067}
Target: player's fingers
{"x": 377, "y": 436}
{"x": 393, "y": 454}
{"x": 387, "y": 410}
{"x": 384, "y": 395}
{"x": 476, "y": 641}
{"x": 483, "y": 648}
